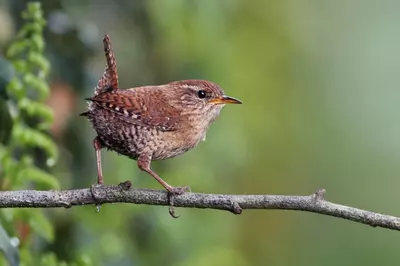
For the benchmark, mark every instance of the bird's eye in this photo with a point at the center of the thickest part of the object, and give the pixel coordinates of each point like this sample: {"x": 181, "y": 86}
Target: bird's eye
{"x": 202, "y": 94}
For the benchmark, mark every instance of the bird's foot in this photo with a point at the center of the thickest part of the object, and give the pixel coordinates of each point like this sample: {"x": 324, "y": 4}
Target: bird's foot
{"x": 172, "y": 193}
{"x": 93, "y": 191}
{"x": 176, "y": 191}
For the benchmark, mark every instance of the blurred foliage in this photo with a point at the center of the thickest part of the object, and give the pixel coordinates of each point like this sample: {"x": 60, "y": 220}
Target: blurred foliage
{"x": 318, "y": 80}
{"x": 29, "y": 120}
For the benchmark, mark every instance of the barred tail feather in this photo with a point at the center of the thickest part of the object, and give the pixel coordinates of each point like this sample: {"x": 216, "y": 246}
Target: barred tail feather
{"x": 109, "y": 80}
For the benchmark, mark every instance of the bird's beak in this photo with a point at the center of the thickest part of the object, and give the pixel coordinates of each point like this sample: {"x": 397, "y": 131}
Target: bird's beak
{"x": 224, "y": 99}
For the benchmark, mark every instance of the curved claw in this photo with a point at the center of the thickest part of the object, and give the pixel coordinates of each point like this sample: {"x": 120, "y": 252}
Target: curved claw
{"x": 172, "y": 193}
{"x": 172, "y": 212}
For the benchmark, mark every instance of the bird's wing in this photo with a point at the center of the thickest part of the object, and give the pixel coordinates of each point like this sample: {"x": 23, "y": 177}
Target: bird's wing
{"x": 144, "y": 109}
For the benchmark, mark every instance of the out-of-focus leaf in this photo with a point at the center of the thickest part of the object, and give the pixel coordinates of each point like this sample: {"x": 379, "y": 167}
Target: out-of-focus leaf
{"x": 37, "y": 43}
{"x": 16, "y": 88}
{"x": 41, "y": 178}
{"x": 49, "y": 260}
{"x": 6, "y": 122}
{"x": 17, "y": 48}
{"x": 83, "y": 260}
{"x": 20, "y": 65}
{"x": 26, "y": 257}
{"x": 38, "y": 84}
{"x": 41, "y": 225}
{"x": 8, "y": 164}
{"x": 36, "y": 109}
{"x": 34, "y": 138}
{"x": 9, "y": 247}
{"x": 39, "y": 60}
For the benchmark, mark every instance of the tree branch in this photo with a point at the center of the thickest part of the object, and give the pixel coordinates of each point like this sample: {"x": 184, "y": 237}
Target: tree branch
{"x": 123, "y": 193}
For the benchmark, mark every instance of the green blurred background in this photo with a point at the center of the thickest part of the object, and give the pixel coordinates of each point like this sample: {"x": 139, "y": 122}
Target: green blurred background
{"x": 320, "y": 85}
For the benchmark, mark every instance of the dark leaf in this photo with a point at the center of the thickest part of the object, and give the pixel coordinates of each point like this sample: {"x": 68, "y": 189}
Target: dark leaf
{"x": 6, "y": 73}
{"x": 6, "y": 122}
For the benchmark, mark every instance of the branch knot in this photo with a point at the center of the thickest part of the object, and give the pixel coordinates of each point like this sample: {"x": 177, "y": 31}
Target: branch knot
{"x": 319, "y": 194}
{"x": 125, "y": 186}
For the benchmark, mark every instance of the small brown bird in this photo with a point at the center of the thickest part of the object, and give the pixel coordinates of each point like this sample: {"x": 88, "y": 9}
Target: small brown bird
{"x": 151, "y": 122}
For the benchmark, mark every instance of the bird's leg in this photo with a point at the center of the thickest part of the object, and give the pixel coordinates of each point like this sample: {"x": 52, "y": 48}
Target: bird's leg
{"x": 144, "y": 162}
{"x": 97, "y": 147}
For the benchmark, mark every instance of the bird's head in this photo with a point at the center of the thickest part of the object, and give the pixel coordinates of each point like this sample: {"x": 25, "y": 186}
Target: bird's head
{"x": 201, "y": 99}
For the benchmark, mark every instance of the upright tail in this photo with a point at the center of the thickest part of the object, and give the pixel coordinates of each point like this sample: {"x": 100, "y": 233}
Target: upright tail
{"x": 109, "y": 80}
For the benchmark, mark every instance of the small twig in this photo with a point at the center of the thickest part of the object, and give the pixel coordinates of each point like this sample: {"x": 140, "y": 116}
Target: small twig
{"x": 123, "y": 193}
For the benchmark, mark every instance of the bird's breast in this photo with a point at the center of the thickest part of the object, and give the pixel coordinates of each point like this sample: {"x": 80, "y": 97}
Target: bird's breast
{"x": 174, "y": 143}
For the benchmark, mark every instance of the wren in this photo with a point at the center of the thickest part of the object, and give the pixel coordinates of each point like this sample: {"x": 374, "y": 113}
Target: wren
{"x": 150, "y": 123}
